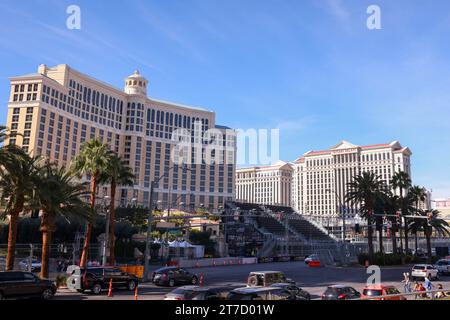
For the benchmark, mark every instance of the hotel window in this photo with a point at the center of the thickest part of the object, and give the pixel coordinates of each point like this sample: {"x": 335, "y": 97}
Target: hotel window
{"x": 16, "y": 111}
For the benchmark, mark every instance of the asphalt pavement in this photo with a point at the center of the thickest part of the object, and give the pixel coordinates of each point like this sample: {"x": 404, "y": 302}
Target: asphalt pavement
{"x": 313, "y": 280}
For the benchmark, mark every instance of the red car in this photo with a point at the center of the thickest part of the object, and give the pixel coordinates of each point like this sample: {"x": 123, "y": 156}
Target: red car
{"x": 381, "y": 290}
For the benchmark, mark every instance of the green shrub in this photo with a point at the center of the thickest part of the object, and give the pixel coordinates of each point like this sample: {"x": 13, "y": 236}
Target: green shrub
{"x": 61, "y": 281}
{"x": 380, "y": 259}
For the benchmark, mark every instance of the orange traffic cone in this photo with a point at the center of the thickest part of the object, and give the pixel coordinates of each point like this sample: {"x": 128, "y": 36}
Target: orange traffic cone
{"x": 110, "y": 292}
{"x": 136, "y": 294}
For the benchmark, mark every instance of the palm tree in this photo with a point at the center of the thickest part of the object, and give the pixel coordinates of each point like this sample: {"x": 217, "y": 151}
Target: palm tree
{"x": 364, "y": 191}
{"x": 91, "y": 161}
{"x": 16, "y": 187}
{"x": 391, "y": 206}
{"x": 402, "y": 181}
{"x": 117, "y": 173}
{"x": 415, "y": 195}
{"x": 382, "y": 202}
{"x": 428, "y": 221}
{"x": 57, "y": 194}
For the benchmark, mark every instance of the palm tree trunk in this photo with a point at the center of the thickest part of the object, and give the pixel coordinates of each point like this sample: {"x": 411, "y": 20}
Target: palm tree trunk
{"x": 406, "y": 237}
{"x": 430, "y": 255}
{"x": 46, "y": 242}
{"x": 400, "y": 233}
{"x": 112, "y": 224}
{"x": 380, "y": 239}
{"x": 394, "y": 240}
{"x": 370, "y": 239}
{"x": 87, "y": 239}
{"x": 12, "y": 234}
{"x": 417, "y": 241}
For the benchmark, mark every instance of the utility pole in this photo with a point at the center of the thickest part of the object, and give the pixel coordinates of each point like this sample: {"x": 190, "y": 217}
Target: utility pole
{"x": 106, "y": 243}
{"x": 342, "y": 212}
{"x": 149, "y": 232}
{"x": 149, "y": 225}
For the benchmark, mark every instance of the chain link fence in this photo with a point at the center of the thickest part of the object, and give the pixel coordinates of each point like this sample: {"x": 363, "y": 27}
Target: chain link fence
{"x": 28, "y": 256}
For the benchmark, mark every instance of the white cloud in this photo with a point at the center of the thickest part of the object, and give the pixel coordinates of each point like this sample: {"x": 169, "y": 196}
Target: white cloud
{"x": 337, "y": 9}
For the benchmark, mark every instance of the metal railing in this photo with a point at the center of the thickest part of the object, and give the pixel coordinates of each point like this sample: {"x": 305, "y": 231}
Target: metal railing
{"x": 417, "y": 295}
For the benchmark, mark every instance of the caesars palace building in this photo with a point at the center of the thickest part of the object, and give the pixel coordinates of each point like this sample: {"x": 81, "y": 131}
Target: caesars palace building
{"x": 57, "y": 109}
{"x": 316, "y": 183}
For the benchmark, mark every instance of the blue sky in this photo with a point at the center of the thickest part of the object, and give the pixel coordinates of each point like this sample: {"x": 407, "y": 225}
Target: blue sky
{"x": 308, "y": 67}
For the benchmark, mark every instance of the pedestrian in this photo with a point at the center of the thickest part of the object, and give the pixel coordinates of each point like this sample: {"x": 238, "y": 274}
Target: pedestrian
{"x": 428, "y": 285}
{"x": 441, "y": 294}
{"x": 407, "y": 282}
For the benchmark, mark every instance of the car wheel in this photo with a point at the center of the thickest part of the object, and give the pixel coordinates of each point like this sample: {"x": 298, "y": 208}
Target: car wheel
{"x": 437, "y": 277}
{"x": 131, "y": 285}
{"x": 47, "y": 294}
{"x": 171, "y": 283}
{"x": 194, "y": 280}
{"x": 97, "y": 288}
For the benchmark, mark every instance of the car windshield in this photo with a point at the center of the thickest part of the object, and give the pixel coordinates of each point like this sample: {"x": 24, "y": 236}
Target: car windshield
{"x": 372, "y": 293}
{"x": 419, "y": 268}
{"x": 333, "y": 291}
{"x": 184, "y": 292}
{"x": 239, "y": 296}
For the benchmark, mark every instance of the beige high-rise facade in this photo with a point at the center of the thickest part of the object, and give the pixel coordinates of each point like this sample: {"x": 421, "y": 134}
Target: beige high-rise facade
{"x": 320, "y": 178}
{"x": 270, "y": 185}
{"x": 57, "y": 109}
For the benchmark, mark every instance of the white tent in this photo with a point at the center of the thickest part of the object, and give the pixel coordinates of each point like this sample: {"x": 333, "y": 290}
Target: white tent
{"x": 185, "y": 244}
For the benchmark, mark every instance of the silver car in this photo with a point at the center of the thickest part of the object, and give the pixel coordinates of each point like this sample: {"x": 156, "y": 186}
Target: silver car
{"x": 182, "y": 293}
{"x": 443, "y": 266}
{"x": 422, "y": 271}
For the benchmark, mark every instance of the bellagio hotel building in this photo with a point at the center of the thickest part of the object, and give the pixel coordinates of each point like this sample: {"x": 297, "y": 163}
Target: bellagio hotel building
{"x": 57, "y": 109}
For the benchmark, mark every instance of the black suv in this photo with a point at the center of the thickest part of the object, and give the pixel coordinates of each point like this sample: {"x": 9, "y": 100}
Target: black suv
{"x": 97, "y": 279}
{"x": 25, "y": 285}
{"x": 172, "y": 276}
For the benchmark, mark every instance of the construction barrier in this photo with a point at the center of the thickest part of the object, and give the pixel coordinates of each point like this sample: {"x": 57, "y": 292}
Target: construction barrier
{"x": 314, "y": 264}
{"x": 138, "y": 271}
{"x": 110, "y": 291}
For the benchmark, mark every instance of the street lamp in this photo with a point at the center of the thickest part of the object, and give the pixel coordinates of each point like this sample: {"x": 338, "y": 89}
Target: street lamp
{"x": 341, "y": 209}
{"x": 149, "y": 224}
{"x": 106, "y": 240}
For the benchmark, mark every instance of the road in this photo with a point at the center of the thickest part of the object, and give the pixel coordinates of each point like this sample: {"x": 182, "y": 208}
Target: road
{"x": 313, "y": 280}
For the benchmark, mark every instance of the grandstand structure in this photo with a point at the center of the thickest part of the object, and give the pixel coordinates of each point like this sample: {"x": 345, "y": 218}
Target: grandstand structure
{"x": 268, "y": 231}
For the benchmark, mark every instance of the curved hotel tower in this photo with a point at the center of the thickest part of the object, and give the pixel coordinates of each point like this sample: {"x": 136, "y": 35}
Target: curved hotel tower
{"x": 57, "y": 109}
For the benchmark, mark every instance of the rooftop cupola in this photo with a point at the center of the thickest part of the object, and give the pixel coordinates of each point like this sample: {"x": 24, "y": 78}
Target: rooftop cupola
{"x": 136, "y": 84}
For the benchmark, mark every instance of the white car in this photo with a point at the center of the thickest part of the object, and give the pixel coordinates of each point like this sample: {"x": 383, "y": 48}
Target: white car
{"x": 424, "y": 270}
{"x": 443, "y": 266}
{"x": 312, "y": 258}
